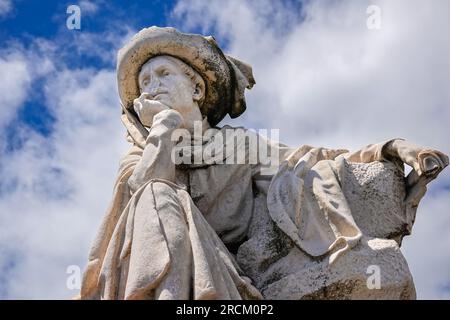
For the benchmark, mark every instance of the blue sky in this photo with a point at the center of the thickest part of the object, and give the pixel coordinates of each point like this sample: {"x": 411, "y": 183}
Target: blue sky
{"x": 322, "y": 77}
{"x": 32, "y": 19}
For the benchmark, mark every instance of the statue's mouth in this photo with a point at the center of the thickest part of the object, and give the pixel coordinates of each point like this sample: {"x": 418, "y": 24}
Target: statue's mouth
{"x": 154, "y": 96}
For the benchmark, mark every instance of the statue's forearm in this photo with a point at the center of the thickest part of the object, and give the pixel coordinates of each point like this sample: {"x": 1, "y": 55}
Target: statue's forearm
{"x": 395, "y": 149}
{"x": 403, "y": 150}
{"x": 156, "y": 162}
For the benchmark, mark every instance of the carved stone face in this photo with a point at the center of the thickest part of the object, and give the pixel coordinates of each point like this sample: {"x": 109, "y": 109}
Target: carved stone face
{"x": 167, "y": 82}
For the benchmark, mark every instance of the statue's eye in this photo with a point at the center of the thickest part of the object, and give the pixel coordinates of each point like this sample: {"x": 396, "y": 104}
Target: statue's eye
{"x": 165, "y": 73}
{"x": 145, "y": 82}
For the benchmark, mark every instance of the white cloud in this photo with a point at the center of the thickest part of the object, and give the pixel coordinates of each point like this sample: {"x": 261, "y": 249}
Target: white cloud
{"x": 88, "y": 7}
{"x": 19, "y": 67}
{"x": 97, "y": 45}
{"x": 15, "y": 79}
{"x": 60, "y": 186}
{"x": 55, "y": 189}
{"x": 5, "y": 7}
{"x": 326, "y": 79}
{"x": 427, "y": 249}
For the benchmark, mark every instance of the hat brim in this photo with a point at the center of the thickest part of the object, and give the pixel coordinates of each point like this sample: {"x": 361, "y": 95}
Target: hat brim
{"x": 201, "y": 53}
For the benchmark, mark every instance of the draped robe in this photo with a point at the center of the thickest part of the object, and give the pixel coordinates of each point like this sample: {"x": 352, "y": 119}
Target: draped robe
{"x": 130, "y": 256}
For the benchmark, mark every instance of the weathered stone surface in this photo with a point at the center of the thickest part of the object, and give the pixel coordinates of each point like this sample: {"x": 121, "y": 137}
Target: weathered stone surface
{"x": 347, "y": 278}
{"x": 281, "y": 270}
{"x": 376, "y": 194}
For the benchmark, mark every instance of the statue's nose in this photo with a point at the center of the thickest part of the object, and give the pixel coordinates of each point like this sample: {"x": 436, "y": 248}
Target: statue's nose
{"x": 152, "y": 88}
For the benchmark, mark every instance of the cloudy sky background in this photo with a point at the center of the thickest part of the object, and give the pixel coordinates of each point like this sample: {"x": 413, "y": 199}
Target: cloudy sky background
{"x": 322, "y": 77}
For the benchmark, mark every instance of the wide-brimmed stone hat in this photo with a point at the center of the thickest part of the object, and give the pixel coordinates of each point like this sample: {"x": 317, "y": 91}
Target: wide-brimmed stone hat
{"x": 225, "y": 77}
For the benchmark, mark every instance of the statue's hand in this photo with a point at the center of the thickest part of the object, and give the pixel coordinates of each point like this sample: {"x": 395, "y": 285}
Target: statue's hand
{"x": 431, "y": 162}
{"x": 427, "y": 164}
{"x": 424, "y": 161}
{"x": 147, "y": 108}
{"x": 170, "y": 118}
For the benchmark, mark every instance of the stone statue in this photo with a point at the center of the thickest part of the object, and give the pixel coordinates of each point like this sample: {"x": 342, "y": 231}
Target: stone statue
{"x": 306, "y": 226}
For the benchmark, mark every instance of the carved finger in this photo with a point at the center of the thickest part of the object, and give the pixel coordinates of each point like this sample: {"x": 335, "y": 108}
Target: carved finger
{"x": 432, "y": 162}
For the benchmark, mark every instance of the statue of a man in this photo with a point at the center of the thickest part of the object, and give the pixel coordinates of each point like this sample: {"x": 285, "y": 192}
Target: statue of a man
{"x": 172, "y": 229}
